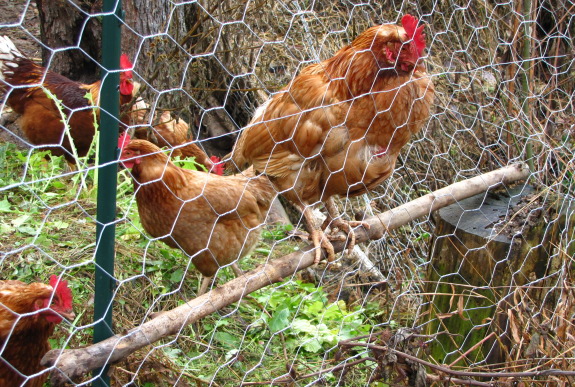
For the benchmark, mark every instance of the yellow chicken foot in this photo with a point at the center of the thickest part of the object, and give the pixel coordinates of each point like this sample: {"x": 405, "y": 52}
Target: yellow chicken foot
{"x": 318, "y": 237}
{"x": 336, "y": 223}
{"x": 236, "y": 269}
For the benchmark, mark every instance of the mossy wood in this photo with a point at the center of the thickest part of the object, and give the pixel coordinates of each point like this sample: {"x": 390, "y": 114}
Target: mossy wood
{"x": 475, "y": 268}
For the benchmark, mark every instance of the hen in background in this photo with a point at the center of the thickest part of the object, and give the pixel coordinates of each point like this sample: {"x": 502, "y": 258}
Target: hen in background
{"x": 26, "y": 84}
{"x": 339, "y": 126}
{"x": 173, "y": 134}
{"x": 28, "y": 316}
{"x": 214, "y": 219}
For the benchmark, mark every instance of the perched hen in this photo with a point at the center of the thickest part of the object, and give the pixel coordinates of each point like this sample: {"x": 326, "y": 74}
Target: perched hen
{"x": 215, "y": 219}
{"x": 338, "y": 127}
{"x": 173, "y": 134}
{"x": 28, "y": 315}
{"x": 26, "y": 82}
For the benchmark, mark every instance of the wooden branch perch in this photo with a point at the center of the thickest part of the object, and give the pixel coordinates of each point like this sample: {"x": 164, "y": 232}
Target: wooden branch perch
{"x": 71, "y": 364}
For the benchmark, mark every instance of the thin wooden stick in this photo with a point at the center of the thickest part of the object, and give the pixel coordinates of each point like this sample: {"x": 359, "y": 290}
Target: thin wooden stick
{"x": 291, "y": 380}
{"x": 470, "y": 374}
{"x": 463, "y": 355}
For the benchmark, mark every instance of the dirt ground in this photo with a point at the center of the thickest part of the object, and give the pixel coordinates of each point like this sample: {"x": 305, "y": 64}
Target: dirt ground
{"x": 18, "y": 21}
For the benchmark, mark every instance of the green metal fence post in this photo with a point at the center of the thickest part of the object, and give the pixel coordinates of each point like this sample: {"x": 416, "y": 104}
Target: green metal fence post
{"x": 107, "y": 178}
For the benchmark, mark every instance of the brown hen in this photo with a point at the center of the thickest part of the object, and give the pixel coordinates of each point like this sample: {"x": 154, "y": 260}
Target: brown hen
{"x": 26, "y": 84}
{"x": 174, "y": 134}
{"x": 214, "y": 219}
{"x": 339, "y": 126}
{"x": 28, "y": 315}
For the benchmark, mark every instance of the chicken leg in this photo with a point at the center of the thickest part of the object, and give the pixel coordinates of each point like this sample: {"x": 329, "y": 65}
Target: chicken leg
{"x": 335, "y": 221}
{"x": 206, "y": 281}
{"x": 318, "y": 237}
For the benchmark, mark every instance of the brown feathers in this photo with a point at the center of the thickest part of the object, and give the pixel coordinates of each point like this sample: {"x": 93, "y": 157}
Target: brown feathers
{"x": 338, "y": 127}
{"x": 28, "y": 315}
{"x": 215, "y": 219}
{"x": 41, "y": 120}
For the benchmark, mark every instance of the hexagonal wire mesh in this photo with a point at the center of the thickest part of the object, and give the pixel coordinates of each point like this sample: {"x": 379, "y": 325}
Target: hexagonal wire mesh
{"x": 484, "y": 286}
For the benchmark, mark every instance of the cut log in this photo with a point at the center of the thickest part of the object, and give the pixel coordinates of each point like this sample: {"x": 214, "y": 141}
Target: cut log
{"x": 475, "y": 268}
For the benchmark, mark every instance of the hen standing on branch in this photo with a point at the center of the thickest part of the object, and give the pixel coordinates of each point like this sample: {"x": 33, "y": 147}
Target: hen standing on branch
{"x": 214, "y": 219}
{"x": 28, "y": 316}
{"x": 27, "y": 85}
{"x": 338, "y": 127}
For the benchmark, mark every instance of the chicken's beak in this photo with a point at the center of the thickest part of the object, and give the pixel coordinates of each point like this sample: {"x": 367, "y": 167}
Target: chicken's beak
{"x": 408, "y": 65}
{"x": 137, "y": 86}
{"x": 70, "y": 316}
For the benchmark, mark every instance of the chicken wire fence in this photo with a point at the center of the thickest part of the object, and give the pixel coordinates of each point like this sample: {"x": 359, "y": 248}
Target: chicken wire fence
{"x": 478, "y": 292}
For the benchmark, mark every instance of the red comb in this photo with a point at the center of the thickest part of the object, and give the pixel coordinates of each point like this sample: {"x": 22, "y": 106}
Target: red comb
{"x": 413, "y": 32}
{"x": 63, "y": 292}
{"x": 125, "y": 64}
{"x": 218, "y": 167}
{"x": 123, "y": 140}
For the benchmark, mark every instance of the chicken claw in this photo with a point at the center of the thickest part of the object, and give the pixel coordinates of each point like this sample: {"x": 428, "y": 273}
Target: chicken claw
{"x": 320, "y": 240}
{"x": 318, "y": 237}
{"x": 335, "y": 221}
{"x": 345, "y": 226}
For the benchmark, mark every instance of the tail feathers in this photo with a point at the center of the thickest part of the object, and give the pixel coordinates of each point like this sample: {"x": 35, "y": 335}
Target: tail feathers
{"x": 266, "y": 194}
{"x": 8, "y": 55}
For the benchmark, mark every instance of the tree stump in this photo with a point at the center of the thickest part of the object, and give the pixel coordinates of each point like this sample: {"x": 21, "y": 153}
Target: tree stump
{"x": 475, "y": 267}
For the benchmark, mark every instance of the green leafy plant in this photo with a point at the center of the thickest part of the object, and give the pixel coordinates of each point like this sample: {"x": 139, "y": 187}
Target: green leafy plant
{"x": 278, "y": 232}
{"x": 188, "y": 163}
{"x": 302, "y": 313}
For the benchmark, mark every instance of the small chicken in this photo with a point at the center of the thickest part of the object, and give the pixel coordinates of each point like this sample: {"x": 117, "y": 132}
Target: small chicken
{"x": 214, "y": 219}
{"x": 28, "y": 316}
{"x": 26, "y": 84}
{"x": 338, "y": 127}
{"x": 173, "y": 134}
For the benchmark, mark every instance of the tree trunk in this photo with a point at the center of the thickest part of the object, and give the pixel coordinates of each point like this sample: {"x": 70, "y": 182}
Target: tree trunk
{"x": 63, "y": 25}
{"x": 145, "y": 22}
